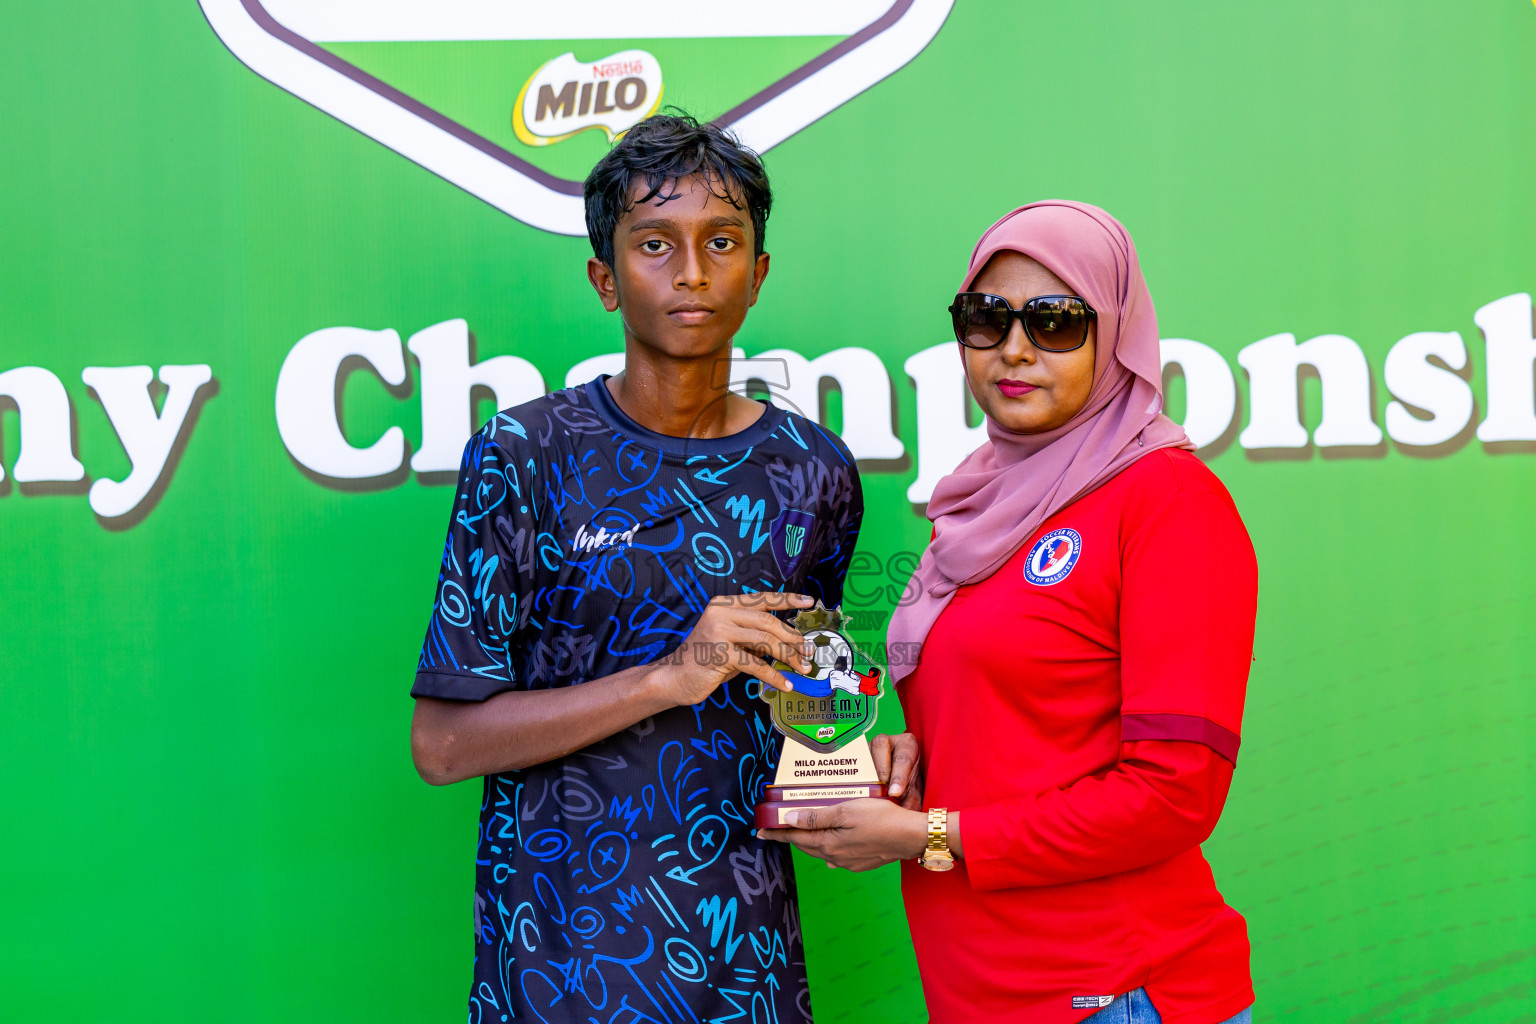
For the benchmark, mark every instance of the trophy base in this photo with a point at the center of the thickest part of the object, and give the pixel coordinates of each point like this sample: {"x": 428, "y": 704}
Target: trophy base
{"x": 778, "y": 799}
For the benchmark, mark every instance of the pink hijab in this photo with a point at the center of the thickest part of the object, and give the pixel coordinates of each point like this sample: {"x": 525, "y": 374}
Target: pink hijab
{"x": 998, "y": 496}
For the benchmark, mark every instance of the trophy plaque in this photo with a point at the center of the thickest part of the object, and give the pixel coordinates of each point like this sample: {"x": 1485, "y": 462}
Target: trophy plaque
{"x": 825, "y": 758}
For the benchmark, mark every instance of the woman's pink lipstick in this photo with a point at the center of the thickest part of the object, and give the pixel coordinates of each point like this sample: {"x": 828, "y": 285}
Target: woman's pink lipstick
{"x": 1015, "y": 388}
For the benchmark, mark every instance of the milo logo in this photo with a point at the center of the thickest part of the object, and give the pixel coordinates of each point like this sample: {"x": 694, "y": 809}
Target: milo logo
{"x": 566, "y": 96}
{"x": 826, "y": 732}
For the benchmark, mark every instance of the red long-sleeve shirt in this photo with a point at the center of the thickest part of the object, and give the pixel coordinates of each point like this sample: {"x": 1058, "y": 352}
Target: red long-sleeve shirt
{"x": 1081, "y": 709}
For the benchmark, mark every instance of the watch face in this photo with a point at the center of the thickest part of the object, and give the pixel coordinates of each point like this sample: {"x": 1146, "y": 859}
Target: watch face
{"x": 934, "y": 861}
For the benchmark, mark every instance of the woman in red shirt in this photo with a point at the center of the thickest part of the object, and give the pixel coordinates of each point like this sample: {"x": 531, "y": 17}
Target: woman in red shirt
{"x": 1084, "y": 616}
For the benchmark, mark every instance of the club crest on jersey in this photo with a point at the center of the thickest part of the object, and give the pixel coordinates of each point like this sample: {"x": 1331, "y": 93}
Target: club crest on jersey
{"x": 1052, "y": 558}
{"x": 788, "y": 535}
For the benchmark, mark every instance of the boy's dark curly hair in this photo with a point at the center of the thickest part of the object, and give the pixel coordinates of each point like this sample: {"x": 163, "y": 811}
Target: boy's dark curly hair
{"x": 664, "y": 149}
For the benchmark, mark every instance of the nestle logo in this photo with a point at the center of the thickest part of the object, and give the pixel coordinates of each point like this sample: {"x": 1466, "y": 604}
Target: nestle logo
{"x": 618, "y": 67}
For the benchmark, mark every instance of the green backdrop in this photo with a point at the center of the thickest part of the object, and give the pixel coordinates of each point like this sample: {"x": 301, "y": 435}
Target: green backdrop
{"x": 209, "y": 805}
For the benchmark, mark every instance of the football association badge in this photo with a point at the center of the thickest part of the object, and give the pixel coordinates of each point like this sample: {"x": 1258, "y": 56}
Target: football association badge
{"x": 825, "y": 757}
{"x": 1052, "y": 557}
{"x": 514, "y": 102}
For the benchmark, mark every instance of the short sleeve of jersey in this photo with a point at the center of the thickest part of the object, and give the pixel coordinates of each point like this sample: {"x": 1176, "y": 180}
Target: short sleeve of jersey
{"x": 825, "y": 579}
{"x": 1189, "y": 597}
{"x": 467, "y": 651}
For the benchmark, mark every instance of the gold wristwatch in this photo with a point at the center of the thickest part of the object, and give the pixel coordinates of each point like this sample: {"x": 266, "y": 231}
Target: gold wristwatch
{"x": 937, "y": 856}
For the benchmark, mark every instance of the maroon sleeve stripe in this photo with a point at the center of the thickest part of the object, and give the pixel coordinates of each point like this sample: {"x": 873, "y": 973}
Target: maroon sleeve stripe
{"x": 1181, "y": 727}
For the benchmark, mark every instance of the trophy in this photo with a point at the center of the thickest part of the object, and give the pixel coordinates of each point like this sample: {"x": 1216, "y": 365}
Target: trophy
{"x": 825, "y": 758}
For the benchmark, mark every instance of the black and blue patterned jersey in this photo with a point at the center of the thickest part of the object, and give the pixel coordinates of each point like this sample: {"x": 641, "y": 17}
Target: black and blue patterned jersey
{"x": 624, "y": 883}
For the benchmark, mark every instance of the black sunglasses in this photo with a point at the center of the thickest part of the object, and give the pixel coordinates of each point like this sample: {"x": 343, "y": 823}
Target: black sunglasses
{"x": 1055, "y": 323}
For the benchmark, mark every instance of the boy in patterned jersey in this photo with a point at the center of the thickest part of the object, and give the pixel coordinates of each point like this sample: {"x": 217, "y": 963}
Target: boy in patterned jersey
{"x": 615, "y": 559}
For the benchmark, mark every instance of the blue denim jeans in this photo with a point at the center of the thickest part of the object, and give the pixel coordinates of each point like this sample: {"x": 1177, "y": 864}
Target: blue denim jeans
{"x": 1135, "y": 1008}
